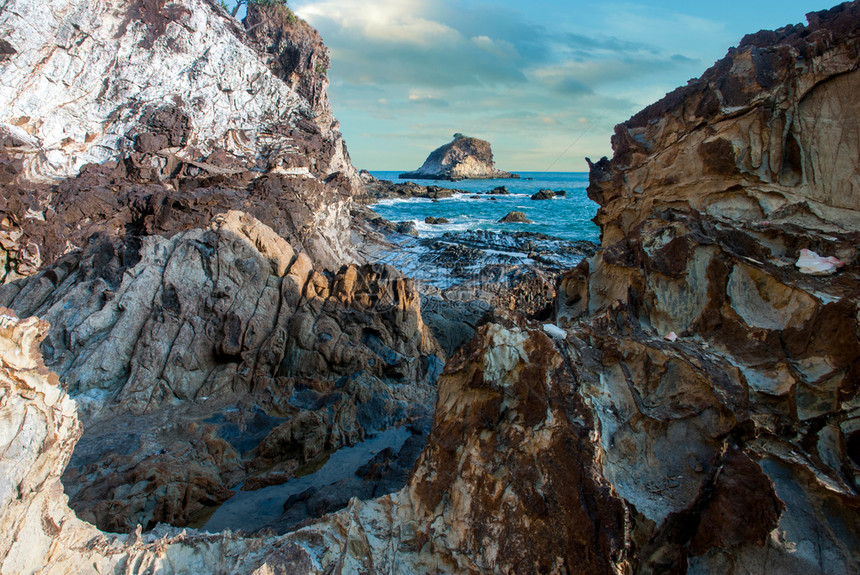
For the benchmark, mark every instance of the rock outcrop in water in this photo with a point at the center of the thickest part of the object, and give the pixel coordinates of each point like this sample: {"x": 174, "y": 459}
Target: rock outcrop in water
{"x": 461, "y": 159}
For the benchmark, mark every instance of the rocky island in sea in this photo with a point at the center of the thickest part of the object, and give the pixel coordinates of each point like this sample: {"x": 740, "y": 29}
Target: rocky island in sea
{"x": 214, "y": 359}
{"x": 462, "y": 158}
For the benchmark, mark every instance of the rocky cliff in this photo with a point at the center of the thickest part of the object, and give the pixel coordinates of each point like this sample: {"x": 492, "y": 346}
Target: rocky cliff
{"x": 461, "y": 159}
{"x": 184, "y": 227}
{"x": 692, "y": 407}
{"x": 109, "y": 108}
{"x": 723, "y": 372}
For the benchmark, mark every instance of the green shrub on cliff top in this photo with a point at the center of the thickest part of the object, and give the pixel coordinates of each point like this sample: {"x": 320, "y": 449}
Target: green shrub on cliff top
{"x": 239, "y": 3}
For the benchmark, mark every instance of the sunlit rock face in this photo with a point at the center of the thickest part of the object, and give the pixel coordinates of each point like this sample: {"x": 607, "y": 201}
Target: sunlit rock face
{"x": 82, "y": 81}
{"x": 461, "y": 159}
{"x": 722, "y": 371}
{"x": 109, "y": 108}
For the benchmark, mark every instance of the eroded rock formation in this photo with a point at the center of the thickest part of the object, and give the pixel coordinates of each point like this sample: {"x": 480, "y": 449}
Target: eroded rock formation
{"x": 178, "y": 114}
{"x": 215, "y": 329}
{"x": 725, "y": 378}
{"x": 462, "y": 158}
{"x": 697, "y": 413}
{"x": 198, "y": 278}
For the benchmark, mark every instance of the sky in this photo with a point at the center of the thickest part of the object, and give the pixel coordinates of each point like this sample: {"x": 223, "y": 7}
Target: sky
{"x": 544, "y": 81}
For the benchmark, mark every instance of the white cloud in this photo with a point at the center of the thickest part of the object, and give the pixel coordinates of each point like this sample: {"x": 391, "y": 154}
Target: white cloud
{"x": 501, "y": 48}
{"x": 387, "y": 21}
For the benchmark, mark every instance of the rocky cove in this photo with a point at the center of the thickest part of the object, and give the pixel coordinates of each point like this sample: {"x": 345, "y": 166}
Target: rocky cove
{"x": 199, "y": 307}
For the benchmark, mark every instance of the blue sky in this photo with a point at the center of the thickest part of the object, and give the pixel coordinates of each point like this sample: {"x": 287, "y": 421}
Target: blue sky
{"x": 544, "y": 81}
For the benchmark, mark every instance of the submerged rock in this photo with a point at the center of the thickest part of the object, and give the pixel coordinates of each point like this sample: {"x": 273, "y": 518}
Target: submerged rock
{"x": 461, "y": 159}
{"x": 408, "y": 228}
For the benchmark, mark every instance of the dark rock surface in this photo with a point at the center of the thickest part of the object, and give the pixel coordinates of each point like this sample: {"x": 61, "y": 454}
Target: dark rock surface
{"x": 386, "y": 190}
{"x": 543, "y": 195}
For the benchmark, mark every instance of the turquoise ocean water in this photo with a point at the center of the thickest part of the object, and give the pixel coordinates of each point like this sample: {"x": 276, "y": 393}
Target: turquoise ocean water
{"x": 568, "y": 218}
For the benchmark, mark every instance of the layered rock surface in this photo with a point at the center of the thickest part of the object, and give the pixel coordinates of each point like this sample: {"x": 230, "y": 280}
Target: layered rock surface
{"x": 461, "y": 159}
{"x": 724, "y": 377}
{"x": 134, "y": 118}
{"x": 698, "y": 413}
{"x": 213, "y": 332}
{"x": 195, "y": 280}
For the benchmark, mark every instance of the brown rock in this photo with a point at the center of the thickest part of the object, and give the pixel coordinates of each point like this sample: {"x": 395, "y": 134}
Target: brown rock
{"x": 462, "y": 158}
{"x": 515, "y": 218}
{"x": 543, "y": 195}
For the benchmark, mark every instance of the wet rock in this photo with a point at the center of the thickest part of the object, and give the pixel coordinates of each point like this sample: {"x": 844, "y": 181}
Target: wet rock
{"x": 407, "y": 228}
{"x": 515, "y": 218}
{"x": 500, "y": 191}
{"x": 435, "y": 221}
{"x": 385, "y": 190}
{"x": 543, "y": 195}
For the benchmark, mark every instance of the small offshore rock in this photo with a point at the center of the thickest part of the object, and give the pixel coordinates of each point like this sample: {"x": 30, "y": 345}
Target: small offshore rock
{"x": 515, "y": 218}
{"x": 500, "y": 190}
{"x": 561, "y": 193}
{"x": 462, "y": 158}
{"x": 543, "y": 195}
{"x": 436, "y": 221}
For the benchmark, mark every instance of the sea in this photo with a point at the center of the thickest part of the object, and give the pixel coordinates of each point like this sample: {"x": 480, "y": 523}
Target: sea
{"x": 567, "y": 218}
